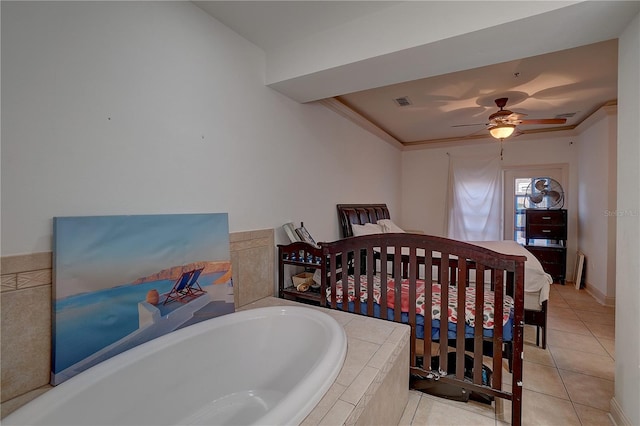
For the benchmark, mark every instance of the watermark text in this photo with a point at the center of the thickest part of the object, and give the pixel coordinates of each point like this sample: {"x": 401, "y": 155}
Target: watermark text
{"x": 622, "y": 213}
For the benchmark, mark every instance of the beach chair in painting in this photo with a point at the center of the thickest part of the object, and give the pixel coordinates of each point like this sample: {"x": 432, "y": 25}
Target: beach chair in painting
{"x": 179, "y": 287}
{"x": 193, "y": 288}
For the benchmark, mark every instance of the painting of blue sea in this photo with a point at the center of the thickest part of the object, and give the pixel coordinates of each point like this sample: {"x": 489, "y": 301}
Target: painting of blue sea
{"x": 120, "y": 281}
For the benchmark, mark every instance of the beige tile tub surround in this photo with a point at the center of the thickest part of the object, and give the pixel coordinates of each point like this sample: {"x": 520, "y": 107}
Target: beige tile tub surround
{"x": 253, "y": 265}
{"x": 25, "y": 343}
{"x": 25, "y": 303}
{"x": 373, "y": 386}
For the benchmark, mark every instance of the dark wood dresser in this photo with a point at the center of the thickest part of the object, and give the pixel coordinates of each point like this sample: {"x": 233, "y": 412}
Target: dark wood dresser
{"x": 546, "y": 238}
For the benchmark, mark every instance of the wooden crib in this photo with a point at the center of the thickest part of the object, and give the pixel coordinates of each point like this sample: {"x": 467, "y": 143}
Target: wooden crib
{"x": 437, "y": 275}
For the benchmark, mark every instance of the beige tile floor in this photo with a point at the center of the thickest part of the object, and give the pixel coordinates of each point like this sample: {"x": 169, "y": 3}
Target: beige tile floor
{"x": 569, "y": 383}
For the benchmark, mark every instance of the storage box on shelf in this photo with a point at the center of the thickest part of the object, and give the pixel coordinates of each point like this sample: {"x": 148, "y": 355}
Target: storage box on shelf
{"x": 301, "y": 255}
{"x": 546, "y": 236}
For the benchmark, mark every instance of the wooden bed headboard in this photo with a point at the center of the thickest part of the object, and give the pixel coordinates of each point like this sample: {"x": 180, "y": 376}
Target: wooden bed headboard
{"x": 360, "y": 214}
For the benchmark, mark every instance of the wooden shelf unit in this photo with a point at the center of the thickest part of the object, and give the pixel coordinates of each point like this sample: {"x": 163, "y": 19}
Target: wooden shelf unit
{"x": 303, "y": 255}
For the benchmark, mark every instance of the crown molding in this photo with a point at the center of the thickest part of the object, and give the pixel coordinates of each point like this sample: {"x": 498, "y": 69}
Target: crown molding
{"x": 356, "y": 118}
{"x": 607, "y": 109}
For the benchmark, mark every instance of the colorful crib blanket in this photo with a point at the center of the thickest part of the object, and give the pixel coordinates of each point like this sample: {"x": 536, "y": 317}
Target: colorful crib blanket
{"x": 452, "y": 311}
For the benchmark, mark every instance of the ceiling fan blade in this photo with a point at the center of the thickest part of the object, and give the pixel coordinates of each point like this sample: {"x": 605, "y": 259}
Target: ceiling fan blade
{"x": 545, "y": 121}
{"x": 467, "y": 125}
{"x": 516, "y": 115}
{"x": 480, "y": 131}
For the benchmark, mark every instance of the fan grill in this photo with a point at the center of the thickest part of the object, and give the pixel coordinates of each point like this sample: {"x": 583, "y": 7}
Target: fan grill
{"x": 545, "y": 193}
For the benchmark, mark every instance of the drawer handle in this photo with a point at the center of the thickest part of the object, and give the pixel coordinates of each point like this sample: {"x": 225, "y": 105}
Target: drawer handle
{"x": 546, "y": 230}
{"x": 546, "y": 217}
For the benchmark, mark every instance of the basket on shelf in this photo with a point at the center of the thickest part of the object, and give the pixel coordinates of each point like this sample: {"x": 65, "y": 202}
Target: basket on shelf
{"x": 302, "y": 281}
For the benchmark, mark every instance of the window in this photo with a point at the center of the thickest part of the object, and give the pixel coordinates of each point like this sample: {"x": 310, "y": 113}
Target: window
{"x": 519, "y": 206}
{"x": 516, "y": 183}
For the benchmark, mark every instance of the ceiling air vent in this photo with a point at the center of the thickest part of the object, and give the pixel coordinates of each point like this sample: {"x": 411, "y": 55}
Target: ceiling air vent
{"x": 403, "y": 101}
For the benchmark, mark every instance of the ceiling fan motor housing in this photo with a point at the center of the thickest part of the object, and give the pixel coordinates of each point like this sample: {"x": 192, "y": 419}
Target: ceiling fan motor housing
{"x": 500, "y": 116}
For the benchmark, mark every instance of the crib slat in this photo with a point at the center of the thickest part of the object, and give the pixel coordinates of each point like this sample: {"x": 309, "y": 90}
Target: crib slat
{"x": 427, "y": 342}
{"x": 444, "y": 310}
{"x": 518, "y": 318}
{"x": 357, "y": 267}
{"x": 413, "y": 278}
{"x": 332, "y": 280}
{"x": 324, "y": 267}
{"x": 397, "y": 269}
{"x": 345, "y": 280}
{"x": 498, "y": 280}
{"x": 370, "y": 269}
{"x": 478, "y": 347}
{"x": 460, "y": 325}
{"x": 383, "y": 281}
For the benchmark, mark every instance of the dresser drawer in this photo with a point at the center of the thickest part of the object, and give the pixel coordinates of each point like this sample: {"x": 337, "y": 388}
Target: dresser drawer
{"x": 547, "y": 217}
{"x": 546, "y": 231}
{"x": 548, "y": 254}
{"x": 552, "y": 259}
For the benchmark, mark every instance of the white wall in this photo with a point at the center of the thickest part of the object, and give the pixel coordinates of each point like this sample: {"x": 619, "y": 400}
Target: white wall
{"x": 597, "y": 202}
{"x": 627, "y": 380}
{"x": 155, "y": 107}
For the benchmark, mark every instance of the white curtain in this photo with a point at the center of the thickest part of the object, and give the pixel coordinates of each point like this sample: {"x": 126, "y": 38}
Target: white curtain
{"x": 475, "y": 198}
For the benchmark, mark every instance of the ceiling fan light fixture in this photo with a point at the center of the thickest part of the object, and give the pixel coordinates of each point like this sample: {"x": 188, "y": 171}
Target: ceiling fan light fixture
{"x": 502, "y": 131}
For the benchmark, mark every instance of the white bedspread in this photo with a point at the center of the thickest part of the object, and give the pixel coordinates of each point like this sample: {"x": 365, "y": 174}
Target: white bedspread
{"x": 535, "y": 278}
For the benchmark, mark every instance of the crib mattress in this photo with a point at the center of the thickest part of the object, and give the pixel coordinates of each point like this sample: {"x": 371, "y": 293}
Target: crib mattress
{"x": 507, "y": 330}
{"x": 436, "y": 306}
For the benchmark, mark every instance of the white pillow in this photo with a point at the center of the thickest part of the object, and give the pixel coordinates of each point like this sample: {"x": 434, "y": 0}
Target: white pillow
{"x": 389, "y": 227}
{"x": 366, "y": 229}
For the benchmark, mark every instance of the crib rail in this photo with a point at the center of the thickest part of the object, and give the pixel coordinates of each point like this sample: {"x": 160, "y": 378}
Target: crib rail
{"x": 416, "y": 261}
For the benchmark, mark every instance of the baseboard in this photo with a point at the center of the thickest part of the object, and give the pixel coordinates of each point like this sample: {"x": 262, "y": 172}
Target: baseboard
{"x": 610, "y": 301}
{"x": 600, "y": 298}
{"x": 616, "y": 415}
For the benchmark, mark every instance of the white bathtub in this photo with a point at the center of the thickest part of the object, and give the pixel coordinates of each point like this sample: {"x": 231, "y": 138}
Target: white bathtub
{"x": 266, "y": 366}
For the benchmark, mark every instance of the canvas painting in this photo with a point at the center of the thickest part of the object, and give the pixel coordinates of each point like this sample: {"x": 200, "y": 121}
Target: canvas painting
{"x": 120, "y": 281}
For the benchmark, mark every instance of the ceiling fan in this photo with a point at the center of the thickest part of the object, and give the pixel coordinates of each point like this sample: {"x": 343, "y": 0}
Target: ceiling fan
{"x": 503, "y": 122}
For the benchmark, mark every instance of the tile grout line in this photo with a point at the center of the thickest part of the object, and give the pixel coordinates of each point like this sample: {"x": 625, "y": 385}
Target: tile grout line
{"x": 587, "y": 327}
{"x": 564, "y": 385}
{"x": 573, "y": 404}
